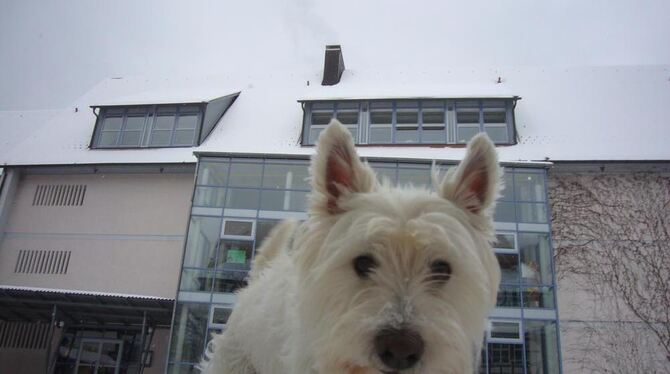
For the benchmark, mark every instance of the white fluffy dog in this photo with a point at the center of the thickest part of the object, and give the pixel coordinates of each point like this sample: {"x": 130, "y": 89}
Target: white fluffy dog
{"x": 377, "y": 280}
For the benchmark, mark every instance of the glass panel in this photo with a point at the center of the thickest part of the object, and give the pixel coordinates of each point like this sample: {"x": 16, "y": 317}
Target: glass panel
{"x": 416, "y": 177}
{"x": 380, "y": 135}
{"x": 467, "y": 104}
{"x": 407, "y": 117}
{"x": 166, "y": 109}
{"x": 314, "y": 133}
{"x": 165, "y": 122}
{"x": 347, "y": 105}
{"x": 109, "y": 354}
{"x": 245, "y": 175}
{"x": 295, "y": 201}
{"x": 286, "y": 177}
{"x": 509, "y": 297}
{"x": 326, "y": 105}
{"x": 160, "y": 137}
{"x": 381, "y": 117}
{"x": 535, "y": 258}
{"x": 467, "y": 117}
{"x": 114, "y": 111}
{"x": 529, "y": 187}
{"x": 183, "y": 369}
{"x": 321, "y": 118}
{"x": 508, "y": 192}
{"x": 464, "y": 134}
{"x": 108, "y": 138}
{"x": 404, "y": 135}
{"x": 532, "y": 212}
{"x": 497, "y": 134}
{"x": 229, "y": 281}
{"x": 89, "y": 352}
{"x": 495, "y": 117}
{"x": 188, "y": 333}
{"x": 189, "y": 109}
{"x": 221, "y": 314}
{"x": 238, "y": 228}
{"x": 505, "y": 330}
{"x": 130, "y": 138}
{"x": 213, "y": 173}
{"x": 541, "y": 347}
{"x": 407, "y": 104}
{"x": 263, "y": 229}
{"x": 189, "y": 121}
{"x": 505, "y": 241}
{"x": 203, "y": 235}
{"x": 134, "y": 123}
{"x": 433, "y": 136}
{"x": 538, "y": 297}
{"x": 433, "y": 118}
{"x": 348, "y": 118}
{"x": 504, "y": 212}
{"x": 196, "y": 280}
{"x": 242, "y": 199}
{"x": 509, "y": 267}
{"x": 184, "y": 137}
{"x": 112, "y": 123}
{"x": 505, "y": 358}
{"x": 493, "y": 103}
{"x": 235, "y": 254}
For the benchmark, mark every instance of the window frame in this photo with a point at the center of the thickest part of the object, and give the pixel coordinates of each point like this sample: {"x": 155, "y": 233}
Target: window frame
{"x": 210, "y": 320}
{"x": 448, "y": 107}
{"x": 492, "y": 339}
{"x": 148, "y": 130}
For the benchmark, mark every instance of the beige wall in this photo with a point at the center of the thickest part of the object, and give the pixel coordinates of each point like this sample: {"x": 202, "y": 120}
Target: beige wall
{"x": 127, "y": 237}
{"x": 601, "y": 225}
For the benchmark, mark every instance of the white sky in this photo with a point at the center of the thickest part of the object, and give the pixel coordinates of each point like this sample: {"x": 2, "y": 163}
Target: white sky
{"x": 51, "y": 52}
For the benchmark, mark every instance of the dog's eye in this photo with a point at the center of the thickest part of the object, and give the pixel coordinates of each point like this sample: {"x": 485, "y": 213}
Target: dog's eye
{"x": 440, "y": 270}
{"x": 363, "y": 265}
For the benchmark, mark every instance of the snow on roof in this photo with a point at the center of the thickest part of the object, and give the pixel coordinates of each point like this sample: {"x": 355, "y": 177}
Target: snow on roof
{"x": 565, "y": 114}
{"x": 80, "y": 292}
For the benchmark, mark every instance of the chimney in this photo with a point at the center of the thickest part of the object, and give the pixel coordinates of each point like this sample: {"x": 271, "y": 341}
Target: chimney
{"x": 333, "y": 65}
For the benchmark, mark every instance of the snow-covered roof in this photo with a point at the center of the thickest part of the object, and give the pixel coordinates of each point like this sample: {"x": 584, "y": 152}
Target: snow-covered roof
{"x": 565, "y": 114}
{"x": 80, "y": 292}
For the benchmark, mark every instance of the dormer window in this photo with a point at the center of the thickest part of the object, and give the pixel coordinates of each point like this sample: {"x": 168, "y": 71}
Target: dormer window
{"x": 161, "y": 125}
{"x": 423, "y": 121}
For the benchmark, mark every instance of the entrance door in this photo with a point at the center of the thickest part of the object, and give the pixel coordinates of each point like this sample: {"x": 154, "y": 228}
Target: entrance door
{"x": 99, "y": 356}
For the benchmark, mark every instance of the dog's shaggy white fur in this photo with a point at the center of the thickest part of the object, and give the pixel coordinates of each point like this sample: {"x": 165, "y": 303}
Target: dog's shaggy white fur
{"x": 377, "y": 280}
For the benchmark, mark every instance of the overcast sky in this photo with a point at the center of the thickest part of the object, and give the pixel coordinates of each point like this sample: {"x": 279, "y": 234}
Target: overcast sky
{"x": 51, "y": 52}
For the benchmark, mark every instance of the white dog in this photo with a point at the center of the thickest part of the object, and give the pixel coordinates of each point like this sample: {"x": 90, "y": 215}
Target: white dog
{"x": 377, "y": 280}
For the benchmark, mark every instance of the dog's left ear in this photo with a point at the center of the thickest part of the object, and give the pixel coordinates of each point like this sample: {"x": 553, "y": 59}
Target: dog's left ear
{"x": 476, "y": 182}
{"x": 337, "y": 171}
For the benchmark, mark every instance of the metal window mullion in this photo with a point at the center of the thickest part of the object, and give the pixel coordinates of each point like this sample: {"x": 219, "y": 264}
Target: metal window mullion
{"x": 394, "y": 109}
{"x": 419, "y": 120}
{"x": 175, "y": 122}
{"x": 149, "y": 118}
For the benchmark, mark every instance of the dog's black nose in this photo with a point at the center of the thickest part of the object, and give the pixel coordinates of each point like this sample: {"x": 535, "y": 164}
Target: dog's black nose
{"x": 399, "y": 349}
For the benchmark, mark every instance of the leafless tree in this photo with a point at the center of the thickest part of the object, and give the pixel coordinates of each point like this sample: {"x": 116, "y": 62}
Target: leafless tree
{"x": 612, "y": 235}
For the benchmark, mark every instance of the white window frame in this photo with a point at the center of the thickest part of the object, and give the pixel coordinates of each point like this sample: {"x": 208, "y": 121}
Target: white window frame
{"x": 513, "y": 251}
{"x": 491, "y": 339}
{"x": 238, "y": 237}
{"x": 210, "y": 321}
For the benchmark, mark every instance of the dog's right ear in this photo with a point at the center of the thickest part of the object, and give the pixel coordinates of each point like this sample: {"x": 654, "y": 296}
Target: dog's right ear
{"x": 474, "y": 185}
{"x": 336, "y": 171}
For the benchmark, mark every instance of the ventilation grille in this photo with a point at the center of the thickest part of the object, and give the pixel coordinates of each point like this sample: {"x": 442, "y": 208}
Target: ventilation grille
{"x": 42, "y": 262}
{"x": 24, "y": 335}
{"x": 59, "y": 195}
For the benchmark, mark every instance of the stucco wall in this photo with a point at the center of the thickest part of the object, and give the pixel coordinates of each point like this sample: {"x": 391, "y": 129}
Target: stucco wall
{"x": 126, "y": 237}
{"x": 610, "y": 232}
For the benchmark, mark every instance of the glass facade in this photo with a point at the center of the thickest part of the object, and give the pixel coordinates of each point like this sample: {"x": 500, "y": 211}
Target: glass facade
{"x": 238, "y": 200}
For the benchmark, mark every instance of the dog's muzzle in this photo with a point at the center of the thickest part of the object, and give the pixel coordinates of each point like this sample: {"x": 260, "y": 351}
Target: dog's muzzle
{"x": 399, "y": 349}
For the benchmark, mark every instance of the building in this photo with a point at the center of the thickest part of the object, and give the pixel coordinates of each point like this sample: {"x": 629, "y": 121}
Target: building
{"x": 129, "y": 218}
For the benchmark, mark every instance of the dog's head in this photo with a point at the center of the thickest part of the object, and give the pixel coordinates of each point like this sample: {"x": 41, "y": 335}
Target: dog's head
{"x": 397, "y": 280}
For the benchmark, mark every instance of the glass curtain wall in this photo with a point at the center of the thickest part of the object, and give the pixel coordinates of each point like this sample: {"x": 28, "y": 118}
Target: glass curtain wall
{"x": 238, "y": 200}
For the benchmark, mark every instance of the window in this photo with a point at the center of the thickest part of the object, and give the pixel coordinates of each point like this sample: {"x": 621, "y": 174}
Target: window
{"x": 502, "y": 331}
{"x": 446, "y": 121}
{"x": 150, "y": 126}
{"x": 219, "y": 314}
